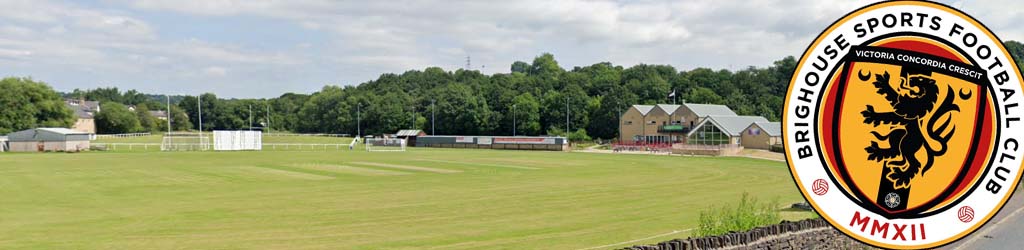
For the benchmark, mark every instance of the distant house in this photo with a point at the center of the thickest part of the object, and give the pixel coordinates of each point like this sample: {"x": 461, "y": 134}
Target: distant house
{"x": 762, "y": 135}
{"x": 48, "y": 139}
{"x": 718, "y": 130}
{"x": 159, "y": 114}
{"x": 85, "y": 113}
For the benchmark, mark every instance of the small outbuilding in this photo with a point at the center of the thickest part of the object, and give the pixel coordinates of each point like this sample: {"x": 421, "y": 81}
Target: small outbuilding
{"x": 410, "y": 135}
{"x": 3, "y": 143}
{"x": 762, "y": 135}
{"x": 48, "y": 139}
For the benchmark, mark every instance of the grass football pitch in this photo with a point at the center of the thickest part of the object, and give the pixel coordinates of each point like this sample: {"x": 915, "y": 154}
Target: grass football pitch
{"x": 341, "y": 199}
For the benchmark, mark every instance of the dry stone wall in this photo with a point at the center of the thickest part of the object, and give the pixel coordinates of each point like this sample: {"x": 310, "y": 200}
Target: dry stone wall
{"x": 805, "y": 234}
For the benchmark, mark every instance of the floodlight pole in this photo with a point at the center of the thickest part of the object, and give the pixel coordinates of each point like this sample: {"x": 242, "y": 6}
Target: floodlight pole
{"x": 168, "y": 116}
{"x": 268, "y": 116}
{"x": 514, "y": 121}
{"x": 432, "y": 116}
{"x": 199, "y": 105}
{"x": 618, "y": 107}
{"x": 567, "y": 115}
{"x": 359, "y": 128}
{"x": 250, "y": 117}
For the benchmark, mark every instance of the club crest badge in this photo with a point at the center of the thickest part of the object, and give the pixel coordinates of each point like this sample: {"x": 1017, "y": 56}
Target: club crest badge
{"x": 903, "y": 124}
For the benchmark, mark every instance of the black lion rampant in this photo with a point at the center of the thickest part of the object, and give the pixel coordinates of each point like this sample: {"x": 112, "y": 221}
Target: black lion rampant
{"x": 910, "y": 132}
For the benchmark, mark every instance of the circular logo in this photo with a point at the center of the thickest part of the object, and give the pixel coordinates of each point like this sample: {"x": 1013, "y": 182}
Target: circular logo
{"x": 912, "y": 111}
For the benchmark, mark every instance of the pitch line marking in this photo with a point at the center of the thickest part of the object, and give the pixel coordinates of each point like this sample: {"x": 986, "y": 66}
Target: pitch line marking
{"x": 405, "y": 167}
{"x": 478, "y": 164}
{"x": 642, "y": 239}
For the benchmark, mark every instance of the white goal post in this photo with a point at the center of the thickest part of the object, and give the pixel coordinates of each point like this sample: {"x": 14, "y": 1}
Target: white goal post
{"x": 185, "y": 141}
{"x": 385, "y": 144}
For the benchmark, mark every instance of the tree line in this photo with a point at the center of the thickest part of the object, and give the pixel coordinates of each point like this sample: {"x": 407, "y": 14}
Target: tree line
{"x": 535, "y": 98}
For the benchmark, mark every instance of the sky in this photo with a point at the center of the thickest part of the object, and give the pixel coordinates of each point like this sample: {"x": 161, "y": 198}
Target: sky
{"x": 264, "y": 48}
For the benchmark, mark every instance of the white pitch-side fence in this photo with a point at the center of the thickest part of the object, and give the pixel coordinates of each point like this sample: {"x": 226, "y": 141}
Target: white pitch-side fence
{"x": 266, "y": 146}
{"x": 123, "y": 135}
{"x": 311, "y": 135}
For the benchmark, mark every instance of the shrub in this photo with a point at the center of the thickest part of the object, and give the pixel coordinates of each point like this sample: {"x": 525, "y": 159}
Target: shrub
{"x": 746, "y": 215}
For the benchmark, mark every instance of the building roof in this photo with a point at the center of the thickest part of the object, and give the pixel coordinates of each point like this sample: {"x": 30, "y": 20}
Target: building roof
{"x": 64, "y": 131}
{"x": 669, "y": 109}
{"x": 83, "y": 109}
{"x": 703, "y": 110}
{"x": 644, "y": 109}
{"x": 770, "y": 128}
{"x": 47, "y": 134}
{"x": 408, "y": 132}
{"x": 731, "y": 125}
{"x": 81, "y": 113}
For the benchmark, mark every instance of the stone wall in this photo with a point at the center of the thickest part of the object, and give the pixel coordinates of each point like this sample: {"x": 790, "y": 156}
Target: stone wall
{"x": 805, "y": 234}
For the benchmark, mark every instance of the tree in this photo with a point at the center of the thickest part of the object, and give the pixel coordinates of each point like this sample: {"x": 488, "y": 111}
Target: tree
{"x": 580, "y": 135}
{"x": 469, "y": 102}
{"x": 703, "y": 95}
{"x": 146, "y": 120}
{"x": 26, "y": 104}
{"x": 1016, "y": 50}
{"x": 526, "y": 114}
{"x": 179, "y": 120}
{"x": 520, "y": 67}
{"x": 460, "y": 111}
{"x": 115, "y": 118}
{"x": 329, "y": 111}
{"x": 605, "y": 118}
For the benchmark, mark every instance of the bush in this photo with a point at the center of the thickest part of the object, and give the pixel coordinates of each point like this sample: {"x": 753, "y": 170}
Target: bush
{"x": 746, "y": 215}
{"x": 579, "y": 136}
{"x": 777, "y": 148}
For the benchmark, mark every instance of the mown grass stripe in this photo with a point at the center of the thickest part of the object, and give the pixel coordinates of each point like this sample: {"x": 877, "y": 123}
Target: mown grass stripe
{"x": 406, "y": 167}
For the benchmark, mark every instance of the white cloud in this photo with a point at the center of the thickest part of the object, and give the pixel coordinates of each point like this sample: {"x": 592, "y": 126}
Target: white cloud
{"x": 215, "y": 71}
{"x": 348, "y": 42}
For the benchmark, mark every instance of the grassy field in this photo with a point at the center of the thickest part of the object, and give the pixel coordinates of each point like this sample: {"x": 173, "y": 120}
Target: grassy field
{"x": 420, "y": 199}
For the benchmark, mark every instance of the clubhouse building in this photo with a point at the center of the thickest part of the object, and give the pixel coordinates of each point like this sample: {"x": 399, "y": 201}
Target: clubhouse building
{"x": 697, "y": 124}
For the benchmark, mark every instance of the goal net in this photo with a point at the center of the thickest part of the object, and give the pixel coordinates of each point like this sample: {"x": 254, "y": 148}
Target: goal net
{"x": 385, "y": 144}
{"x": 185, "y": 141}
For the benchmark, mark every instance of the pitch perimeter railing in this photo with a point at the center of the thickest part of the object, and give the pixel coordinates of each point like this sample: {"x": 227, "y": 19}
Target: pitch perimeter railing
{"x": 266, "y": 146}
{"x": 123, "y": 135}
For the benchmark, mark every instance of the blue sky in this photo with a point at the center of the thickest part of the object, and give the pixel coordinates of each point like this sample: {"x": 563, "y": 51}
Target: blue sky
{"x": 264, "y": 48}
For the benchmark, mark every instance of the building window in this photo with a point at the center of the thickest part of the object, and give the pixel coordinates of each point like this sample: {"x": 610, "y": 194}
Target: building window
{"x": 629, "y": 122}
{"x": 754, "y": 131}
{"x": 709, "y": 134}
{"x": 652, "y": 122}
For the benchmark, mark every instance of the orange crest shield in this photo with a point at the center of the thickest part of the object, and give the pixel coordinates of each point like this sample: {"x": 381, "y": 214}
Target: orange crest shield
{"x": 890, "y": 114}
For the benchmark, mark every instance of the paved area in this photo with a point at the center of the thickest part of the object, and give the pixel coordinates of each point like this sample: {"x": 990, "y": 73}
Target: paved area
{"x": 1004, "y": 231}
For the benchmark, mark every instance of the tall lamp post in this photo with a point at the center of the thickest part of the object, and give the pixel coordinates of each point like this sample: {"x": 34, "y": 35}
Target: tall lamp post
{"x": 514, "y": 120}
{"x": 618, "y": 107}
{"x": 432, "y": 116}
{"x": 359, "y": 124}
